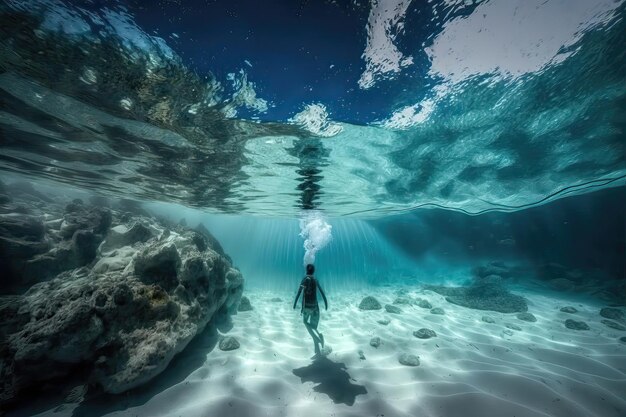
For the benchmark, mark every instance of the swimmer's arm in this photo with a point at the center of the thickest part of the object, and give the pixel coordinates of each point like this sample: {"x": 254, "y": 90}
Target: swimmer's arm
{"x": 323, "y": 295}
{"x": 297, "y": 296}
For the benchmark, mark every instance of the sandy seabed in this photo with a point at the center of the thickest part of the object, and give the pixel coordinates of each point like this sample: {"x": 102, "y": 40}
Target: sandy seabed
{"x": 471, "y": 368}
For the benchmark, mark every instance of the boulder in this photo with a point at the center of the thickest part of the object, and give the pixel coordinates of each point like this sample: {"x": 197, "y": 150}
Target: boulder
{"x": 487, "y": 319}
{"x": 424, "y": 333}
{"x": 576, "y": 325}
{"x": 483, "y": 297}
{"x": 369, "y": 303}
{"x": 209, "y": 240}
{"x": 120, "y": 326}
{"x": 423, "y": 304}
{"x": 127, "y": 235}
{"x": 79, "y": 217}
{"x": 384, "y": 322}
{"x": 402, "y": 301}
{"x": 375, "y": 342}
{"x": 392, "y": 309}
{"x": 568, "y": 309}
{"x": 74, "y": 245}
{"x": 22, "y": 237}
{"x": 530, "y": 317}
{"x": 408, "y": 360}
{"x": 489, "y": 280}
{"x": 437, "y": 310}
{"x": 229, "y": 343}
{"x": 244, "y": 304}
{"x": 494, "y": 268}
{"x": 612, "y": 313}
{"x": 513, "y": 326}
{"x": 276, "y": 300}
{"x": 613, "y": 325}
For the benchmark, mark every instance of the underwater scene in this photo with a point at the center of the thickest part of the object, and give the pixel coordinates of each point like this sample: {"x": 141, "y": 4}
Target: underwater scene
{"x": 346, "y": 208}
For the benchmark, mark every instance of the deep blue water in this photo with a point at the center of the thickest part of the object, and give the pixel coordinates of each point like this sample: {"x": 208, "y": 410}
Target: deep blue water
{"x": 346, "y": 107}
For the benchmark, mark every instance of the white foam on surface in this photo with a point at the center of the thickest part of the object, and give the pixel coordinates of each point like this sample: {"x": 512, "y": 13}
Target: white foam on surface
{"x": 315, "y": 118}
{"x": 382, "y": 57}
{"x": 512, "y": 38}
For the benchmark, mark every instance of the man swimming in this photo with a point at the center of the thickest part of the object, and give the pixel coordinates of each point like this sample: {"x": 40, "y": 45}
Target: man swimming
{"x": 310, "y": 309}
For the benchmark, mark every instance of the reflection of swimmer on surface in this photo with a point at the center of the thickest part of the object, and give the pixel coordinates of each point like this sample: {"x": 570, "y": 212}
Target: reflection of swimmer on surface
{"x": 310, "y": 309}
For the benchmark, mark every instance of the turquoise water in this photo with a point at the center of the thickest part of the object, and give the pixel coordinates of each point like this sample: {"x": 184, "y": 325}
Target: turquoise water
{"x": 158, "y": 162}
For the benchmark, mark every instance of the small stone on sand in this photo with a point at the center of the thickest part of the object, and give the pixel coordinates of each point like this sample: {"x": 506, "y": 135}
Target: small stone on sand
{"x": 613, "y": 325}
{"x": 370, "y": 303}
{"x": 229, "y": 343}
{"x": 375, "y": 342}
{"x": 424, "y": 333}
{"x": 392, "y": 309}
{"x": 576, "y": 325}
{"x": 530, "y": 317}
{"x": 409, "y": 360}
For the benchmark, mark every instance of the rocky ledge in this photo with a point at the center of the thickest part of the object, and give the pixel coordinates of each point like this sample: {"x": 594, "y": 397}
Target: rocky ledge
{"x": 112, "y": 294}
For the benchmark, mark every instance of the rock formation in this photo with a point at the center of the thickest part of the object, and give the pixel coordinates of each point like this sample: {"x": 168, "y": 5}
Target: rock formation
{"x": 113, "y": 294}
{"x": 369, "y": 303}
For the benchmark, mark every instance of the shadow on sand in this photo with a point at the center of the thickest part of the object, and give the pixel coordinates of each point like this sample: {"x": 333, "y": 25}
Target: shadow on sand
{"x": 332, "y": 379}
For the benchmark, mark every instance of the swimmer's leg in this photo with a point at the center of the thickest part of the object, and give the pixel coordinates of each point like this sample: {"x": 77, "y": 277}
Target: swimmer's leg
{"x": 316, "y": 340}
{"x": 315, "y": 320}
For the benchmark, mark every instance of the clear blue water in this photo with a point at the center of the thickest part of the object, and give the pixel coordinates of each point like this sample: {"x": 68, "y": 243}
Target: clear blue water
{"x": 394, "y": 143}
{"x": 485, "y": 106}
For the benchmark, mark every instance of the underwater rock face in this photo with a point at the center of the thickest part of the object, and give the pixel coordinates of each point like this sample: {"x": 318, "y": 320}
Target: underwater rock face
{"x": 407, "y": 359}
{"x": 21, "y": 238}
{"x": 70, "y": 241}
{"x": 370, "y": 303}
{"x": 530, "y": 317}
{"x": 229, "y": 343}
{"x": 494, "y": 297}
{"x": 392, "y": 309}
{"x": 125, "y": 302}
{"x": 244, "y": 304}
{"x": 576, "y": 325}
{"x": 612, "y": 313}
{"x": 424, "y": 333}
{"x": 568, "y": 309}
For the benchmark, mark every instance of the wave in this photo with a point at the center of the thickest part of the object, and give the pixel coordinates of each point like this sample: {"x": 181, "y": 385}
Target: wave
{"x": 90, "y": 99}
